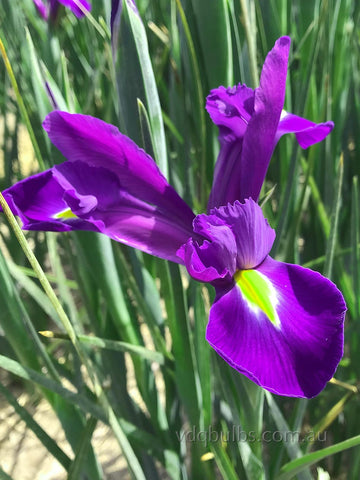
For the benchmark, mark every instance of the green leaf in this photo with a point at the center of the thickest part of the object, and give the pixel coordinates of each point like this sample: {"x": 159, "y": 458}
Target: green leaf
{"x": 355, "y": 234}
{"x": 331, "y": 246}
{"x": 203, "y": 352}
{"x": 133, "y": 63}
{"x": 182, "y": 349}
{"x": 199, "y": 97}
{"x": 81, "y": 452}
{"x": 290, "y": 444}
{"x": 245, "y": 403}
{"x": 50, "y": 445}
{"x": 32, "y": 289}
{"x": 115, "y": 345}
{"x": 213, "y": 26}
{"x": 289, "y": 470}
{"x": 223, "y": 461}
{"x": 29, "y": 374}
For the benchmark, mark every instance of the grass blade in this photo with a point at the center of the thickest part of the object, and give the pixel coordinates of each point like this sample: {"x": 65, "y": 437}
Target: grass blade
{"x": 331, "y": 246}
{"x": 50, "y": 445}
{"x": 289, "y": 470}
{"x": 291, "y": 444}
{"x": 76, "y": 467}
{"x": 223, "y": 461}
{"x": 112, "y": 345}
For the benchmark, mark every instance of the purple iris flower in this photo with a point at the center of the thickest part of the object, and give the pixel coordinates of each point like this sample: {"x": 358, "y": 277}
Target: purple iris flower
{"x": 279, "y": 324}
{"x": 50, "y": 7}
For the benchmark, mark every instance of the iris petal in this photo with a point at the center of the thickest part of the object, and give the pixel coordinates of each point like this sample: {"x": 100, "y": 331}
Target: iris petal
{"x": 231, "y": 109}
{"x": 247, "y": 122}
{"x": 98, "y": 144}
{"x": 298, "y": 357}
{"x": 307, "y": 133}
{"x": 76, "y": 196}
{"x": 254, "y": 236}
{"x": 41, "y": 8}
{"x": 230, "y": 238}
{"x": 250, "y": 124}
{"x": 75, "y": 8}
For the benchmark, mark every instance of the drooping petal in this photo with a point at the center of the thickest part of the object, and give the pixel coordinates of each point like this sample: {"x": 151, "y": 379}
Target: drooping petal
{"x": 76, "y": 196}
{"x": 283, "y": 328}
{"x": 119, "y": 214}
{"x": 92, "y": 141}
{"x": 38, "y": 201}
{"x": 229, "y": 238}
{"x": 307, "y": 133}
{"x": 74, "y": 6}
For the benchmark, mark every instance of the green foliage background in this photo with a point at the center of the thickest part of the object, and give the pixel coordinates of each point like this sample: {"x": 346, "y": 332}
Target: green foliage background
{"x": 137, "y": 306}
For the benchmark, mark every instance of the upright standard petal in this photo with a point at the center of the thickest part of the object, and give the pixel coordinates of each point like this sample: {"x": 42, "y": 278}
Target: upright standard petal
{"x": 250, "y": 124}
{"x": 230, "y": 109}
{"x": 247, "y": 122}
{"x": 258, "y": 142}
{"x": 92, "y": 141}
{"x": 281, "y": 326}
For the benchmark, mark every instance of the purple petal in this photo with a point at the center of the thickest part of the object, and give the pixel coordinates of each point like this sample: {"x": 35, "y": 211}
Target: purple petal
{"x": 295, "y": 357}
{"x": 230, "y": 238}
{"x": 231, "y": 109}
{"x": 96, "y": 195}
{"x": 92, "y": 141}
{"x": 38, "y": 200}
{"x": 254, "y": 236}
{"x": 41, "y": 8}
{"x": 211, "y": 254}
{"x": 116, "y": 9}
{"x": 76, "y": 196}
{"x": 250, "y": 151}
{"x": 258, "y": 142}
{"x": 307, "y": 133}
{"x": 74, "y": 6}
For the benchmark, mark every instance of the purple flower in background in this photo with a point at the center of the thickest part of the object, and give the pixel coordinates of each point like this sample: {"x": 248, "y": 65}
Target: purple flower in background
{"x": 50, "y": 7}
{"x": 279, "y": 324}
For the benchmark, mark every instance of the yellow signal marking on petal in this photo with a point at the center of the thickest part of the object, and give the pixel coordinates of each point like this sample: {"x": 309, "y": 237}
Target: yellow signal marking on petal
{"x": 259, "y": 293}
{"x": 65, "y": 214}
